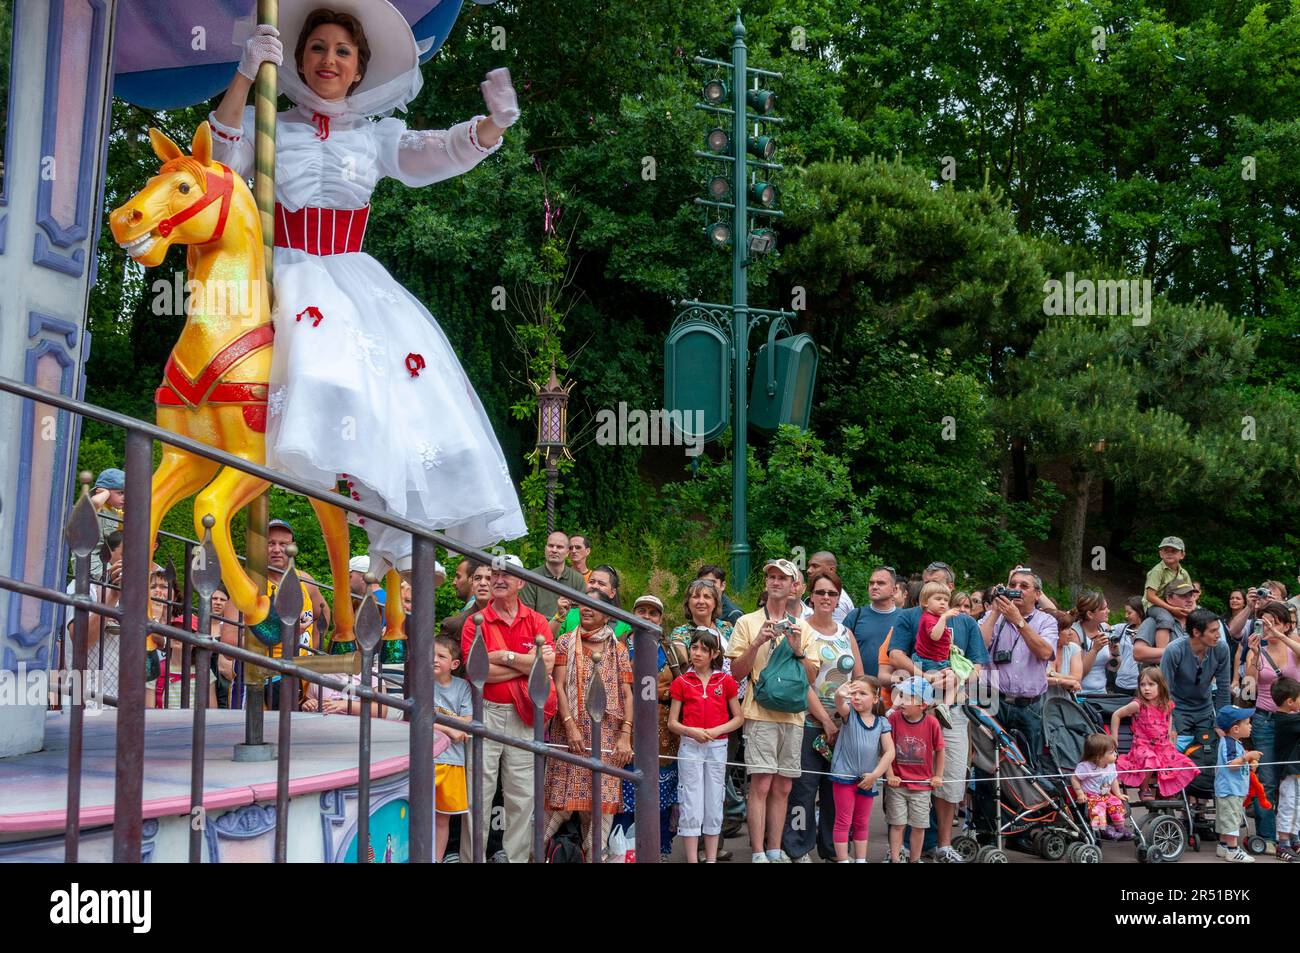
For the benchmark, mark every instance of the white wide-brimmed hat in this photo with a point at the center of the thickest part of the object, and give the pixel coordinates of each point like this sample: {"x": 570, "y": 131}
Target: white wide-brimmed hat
{"x": 392, "y": 78}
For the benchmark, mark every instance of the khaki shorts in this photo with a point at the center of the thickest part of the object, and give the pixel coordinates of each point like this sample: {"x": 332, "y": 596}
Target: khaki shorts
{"x": 905, "y": 806}
{"x": 956, "y": 756}
{"x": 1228, "y": 815}
{"x": 773, "y": 747}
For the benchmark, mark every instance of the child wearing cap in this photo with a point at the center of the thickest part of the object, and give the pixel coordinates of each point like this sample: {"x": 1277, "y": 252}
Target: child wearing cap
{"x": 1232, "y": 780}
{"x": 917, "y": 768}
{"x": 1168, "y": 570}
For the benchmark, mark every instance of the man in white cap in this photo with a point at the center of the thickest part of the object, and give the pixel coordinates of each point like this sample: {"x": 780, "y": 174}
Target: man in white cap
{"x": 773, "y": 739}
{"x": 358, "y": 566}
{"x": 509, "y": 630}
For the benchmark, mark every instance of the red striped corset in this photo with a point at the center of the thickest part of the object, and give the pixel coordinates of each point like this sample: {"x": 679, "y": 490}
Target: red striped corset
{"x": 321, "y": 231}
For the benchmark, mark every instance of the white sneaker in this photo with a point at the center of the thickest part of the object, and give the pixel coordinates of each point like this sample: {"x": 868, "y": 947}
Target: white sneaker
{"x": 1234, "y": 855}
{"x": 759, "y": 858}
{"x": 948, "y": 855}
{"x": 784, "y": 858}
{"x": 904, "y": 855}
{"x": 805, "y": 859}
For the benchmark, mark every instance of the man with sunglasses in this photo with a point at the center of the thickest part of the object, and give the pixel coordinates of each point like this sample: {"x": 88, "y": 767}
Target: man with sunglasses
{"x": 1021, "y": 638}
{"x": 1198, "y": 669}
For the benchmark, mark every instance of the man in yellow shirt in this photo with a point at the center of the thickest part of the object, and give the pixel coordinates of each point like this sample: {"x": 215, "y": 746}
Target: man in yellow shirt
{"x": 773, "y": 739}
{"x": 279, "y": 535}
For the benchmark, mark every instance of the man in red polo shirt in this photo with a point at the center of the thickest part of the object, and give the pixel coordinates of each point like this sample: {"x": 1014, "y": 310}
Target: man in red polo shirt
{"x": 509, "y": 628}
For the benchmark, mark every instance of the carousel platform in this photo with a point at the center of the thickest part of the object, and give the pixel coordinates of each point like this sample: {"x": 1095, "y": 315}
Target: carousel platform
{"x": 238, "y": 800}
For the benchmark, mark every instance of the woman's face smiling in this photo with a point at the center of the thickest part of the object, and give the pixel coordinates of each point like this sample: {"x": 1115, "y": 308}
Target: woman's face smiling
{"x": 329, "y": 61}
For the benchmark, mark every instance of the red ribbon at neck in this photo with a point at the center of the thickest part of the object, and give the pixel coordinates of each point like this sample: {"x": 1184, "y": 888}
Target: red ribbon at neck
{"x": 322, "y": 122}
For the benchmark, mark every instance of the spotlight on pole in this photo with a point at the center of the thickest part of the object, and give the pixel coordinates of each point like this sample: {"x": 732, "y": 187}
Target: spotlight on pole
{"x": 716, "y": 92}
{"x": 719, "y": 187}
{"x": 718, "y": 140}
{"x": 720, "y": 235}
{"x": 762, "y": 241}
{"x": 762, "y": 101}
{"x": 762, "y": 146}
{"x": 764, "y": 193}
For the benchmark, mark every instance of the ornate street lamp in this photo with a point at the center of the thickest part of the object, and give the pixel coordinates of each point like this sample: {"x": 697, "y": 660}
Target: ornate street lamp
{"x": 552, "y": 435}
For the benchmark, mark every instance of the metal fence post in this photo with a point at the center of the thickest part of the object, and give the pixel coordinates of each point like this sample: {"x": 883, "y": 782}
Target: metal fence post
{"x": 419, "y": 688}
{"x": 128, "y": 789}
{"x": 645, "y": 741}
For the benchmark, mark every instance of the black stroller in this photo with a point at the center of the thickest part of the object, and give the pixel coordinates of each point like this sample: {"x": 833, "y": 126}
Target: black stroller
{"x": 1160, "y": 837}
{"x": 1010, "y": 802}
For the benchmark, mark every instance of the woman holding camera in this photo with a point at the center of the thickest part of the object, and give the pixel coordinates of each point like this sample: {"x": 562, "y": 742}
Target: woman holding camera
{"x": 1084, "y": 649}
{"x": 1272, "y": 651}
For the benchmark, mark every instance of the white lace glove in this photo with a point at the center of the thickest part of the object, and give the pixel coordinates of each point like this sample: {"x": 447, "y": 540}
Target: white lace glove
{"x": 262, "y": 47}
{"x": 502, "y": 104}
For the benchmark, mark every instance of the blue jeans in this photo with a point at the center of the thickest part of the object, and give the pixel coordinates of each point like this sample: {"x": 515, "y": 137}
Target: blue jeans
{"x": 1261, "y": 739}
{"x": 1028, "y": 720}
{"x": 929, "y": 664}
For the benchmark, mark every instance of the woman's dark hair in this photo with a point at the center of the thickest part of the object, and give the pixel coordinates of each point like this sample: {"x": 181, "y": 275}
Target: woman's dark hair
{"x": 710, "y": 642}
{"x": 1241, "y": 591}
{"x": 914, "y": 593}
{"x": 1090, "y": 600}
{"x": 1280, "y": 611}
{"x": 322, "y": 16}
{"x": 831, "y": 576}
{"x": 1135, "y": 603}
{"x": 613, "y": 581}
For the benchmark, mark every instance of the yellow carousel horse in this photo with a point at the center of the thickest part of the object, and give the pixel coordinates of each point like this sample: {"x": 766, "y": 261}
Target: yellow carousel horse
{"x": 214, "y": 387}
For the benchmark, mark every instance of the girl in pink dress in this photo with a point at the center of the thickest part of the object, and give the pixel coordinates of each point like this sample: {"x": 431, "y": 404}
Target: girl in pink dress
{"x": 1152, "y": 760}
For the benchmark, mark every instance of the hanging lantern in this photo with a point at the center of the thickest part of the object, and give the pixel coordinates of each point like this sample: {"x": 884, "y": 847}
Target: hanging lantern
{"x": 553, "y": 419}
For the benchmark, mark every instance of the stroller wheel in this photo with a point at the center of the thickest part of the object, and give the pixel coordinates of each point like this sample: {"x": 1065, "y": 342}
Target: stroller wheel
{"x": 1165, "y": 837}
{"x": 990, "y": 855}
{"x": 967, "y": 846}
{"x": 1052, "y": 845}
{"x": 1087, "y": 854}
{"x": 1071, "y": 852}
{"x": 1256, "y": 844}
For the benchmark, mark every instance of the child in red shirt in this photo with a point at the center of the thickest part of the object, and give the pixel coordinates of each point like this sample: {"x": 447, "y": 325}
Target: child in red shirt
{"x": 933, "y": 637}
{"x": 701, "y": 701}
{"x": 917, "y": 768}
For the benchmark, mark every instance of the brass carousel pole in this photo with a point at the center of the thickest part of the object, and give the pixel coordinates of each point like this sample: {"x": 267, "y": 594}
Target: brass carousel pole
{"x": 264, "y": 102}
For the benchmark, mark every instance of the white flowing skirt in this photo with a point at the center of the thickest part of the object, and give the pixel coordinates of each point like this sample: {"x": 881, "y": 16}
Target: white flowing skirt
{"x": 373, "y": 390}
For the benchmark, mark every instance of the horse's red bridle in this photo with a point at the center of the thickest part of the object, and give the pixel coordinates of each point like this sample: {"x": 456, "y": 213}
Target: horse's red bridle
{"x": 222, "y": 188}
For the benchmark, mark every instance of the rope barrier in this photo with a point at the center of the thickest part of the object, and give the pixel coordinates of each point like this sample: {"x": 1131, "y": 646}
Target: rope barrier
{"x": 968, "y": 780}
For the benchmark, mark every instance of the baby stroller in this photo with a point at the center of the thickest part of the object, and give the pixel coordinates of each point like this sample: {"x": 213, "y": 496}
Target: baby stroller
{"x": 1161, "y": 837}
{"x": 1010, "y": 802}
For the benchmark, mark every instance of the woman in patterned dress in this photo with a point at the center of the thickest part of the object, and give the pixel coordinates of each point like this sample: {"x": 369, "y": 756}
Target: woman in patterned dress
{"x": 590, "y": 648}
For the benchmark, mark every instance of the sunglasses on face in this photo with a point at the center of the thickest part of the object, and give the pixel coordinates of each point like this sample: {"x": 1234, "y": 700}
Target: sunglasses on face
{"x": 827, "y": 592}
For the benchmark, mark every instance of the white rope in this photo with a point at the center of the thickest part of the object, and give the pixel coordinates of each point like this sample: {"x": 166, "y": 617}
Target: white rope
{"x": 968, "y": 780}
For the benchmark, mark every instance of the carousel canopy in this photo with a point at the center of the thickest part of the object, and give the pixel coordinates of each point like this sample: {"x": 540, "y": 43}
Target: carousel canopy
{"x": 156, "y": 64}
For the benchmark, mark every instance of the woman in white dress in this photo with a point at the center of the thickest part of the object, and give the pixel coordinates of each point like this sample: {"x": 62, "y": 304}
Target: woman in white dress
{"x": 364, "y": 384}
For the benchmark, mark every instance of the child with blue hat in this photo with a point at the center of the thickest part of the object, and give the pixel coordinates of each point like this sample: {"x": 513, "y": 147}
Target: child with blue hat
{"x": 1232, "y": 780}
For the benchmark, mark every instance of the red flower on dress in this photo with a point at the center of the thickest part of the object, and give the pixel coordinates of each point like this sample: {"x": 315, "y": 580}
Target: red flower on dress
{"x": 414, "y": 364}
{"x": 312, "y": 312}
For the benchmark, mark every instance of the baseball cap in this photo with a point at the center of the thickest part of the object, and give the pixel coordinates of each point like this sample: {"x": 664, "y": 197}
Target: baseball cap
{"x": 784, "y": 565}
{"x": 509, "y": 559}
{"x": 915, "y": 687}
{"x": 1179, "y": 588}
{"x": 1174, "y": 541}
{"x": 649, "y": 601}
{"x": 281, "y": 523}
{"x": 110, "y": 479}
{"x": 359, "y": 564}
{"x": 1229, "y": 715}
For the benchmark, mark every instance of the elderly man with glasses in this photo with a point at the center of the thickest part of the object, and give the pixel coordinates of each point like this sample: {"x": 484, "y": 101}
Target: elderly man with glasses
{"x": 1021, "y": 638}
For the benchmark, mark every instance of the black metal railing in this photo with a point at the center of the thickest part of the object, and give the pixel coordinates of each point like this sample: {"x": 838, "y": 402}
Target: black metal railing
{"x": 417, "y": 703}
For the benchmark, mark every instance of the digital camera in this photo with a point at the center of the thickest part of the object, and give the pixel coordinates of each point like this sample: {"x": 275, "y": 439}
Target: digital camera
{"x": 1008, "y": 593}
{"x": 1002, "y": 657}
